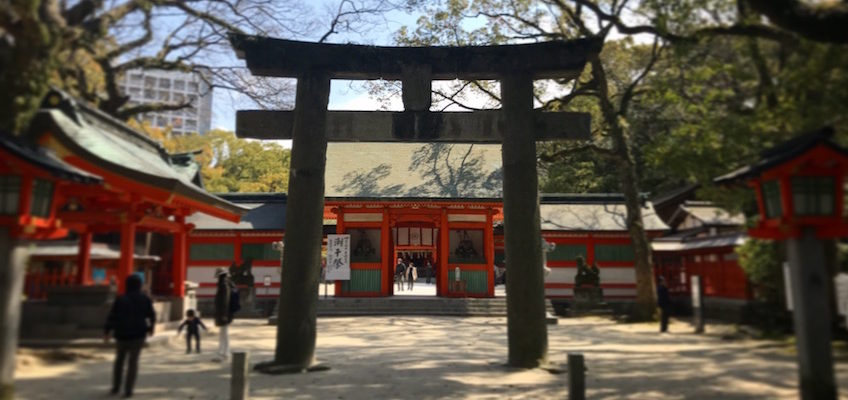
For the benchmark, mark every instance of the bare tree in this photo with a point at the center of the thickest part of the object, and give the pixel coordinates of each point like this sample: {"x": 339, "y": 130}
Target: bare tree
{"x": 109, "y": 38}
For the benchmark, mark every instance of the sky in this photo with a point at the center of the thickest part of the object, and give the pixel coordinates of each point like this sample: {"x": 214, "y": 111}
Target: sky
{"x": 344, "y": 95}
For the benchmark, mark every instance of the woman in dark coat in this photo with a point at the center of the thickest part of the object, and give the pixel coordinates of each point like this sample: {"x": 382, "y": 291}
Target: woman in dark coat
{"x": 223, "y": 312}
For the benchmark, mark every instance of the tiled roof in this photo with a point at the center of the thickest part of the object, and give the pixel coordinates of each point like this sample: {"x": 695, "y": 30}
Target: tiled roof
{"x": 266, "y": 211}
{"x": 417, "y": 170}
{"x": 115, "y": 147}
{"x": 602, "y": 215}
{"x": 47, "y": 160}
{"x": 710, "y": 214}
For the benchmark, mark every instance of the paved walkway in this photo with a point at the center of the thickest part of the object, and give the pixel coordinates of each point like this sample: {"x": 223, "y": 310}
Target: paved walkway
{"x": 444, "y": 357}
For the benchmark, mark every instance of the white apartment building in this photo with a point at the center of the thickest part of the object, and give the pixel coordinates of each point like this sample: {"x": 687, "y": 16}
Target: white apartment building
{"x": 158, "y": 86}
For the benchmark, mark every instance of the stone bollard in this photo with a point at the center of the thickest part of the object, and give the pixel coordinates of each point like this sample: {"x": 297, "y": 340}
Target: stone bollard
{"x": 576, "y": 377}
{"x": 239, "y": 382}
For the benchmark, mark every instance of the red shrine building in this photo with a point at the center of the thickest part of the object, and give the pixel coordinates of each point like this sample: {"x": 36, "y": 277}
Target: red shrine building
{"x": 437, "y": 203}
{"x": 117, "y": 199}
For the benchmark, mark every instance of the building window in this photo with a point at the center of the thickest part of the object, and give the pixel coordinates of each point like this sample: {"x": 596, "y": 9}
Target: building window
{"x": 10, "y": 191}
{"x": 192, "y": 87}
{"x": 614, "y": 252}
{"x": 161, "y": 122}
{"x": 179, "y": 84}
{"x": 164, "y": 96}
{"x": 771, "y": 199}
{"x": 813, "y": 195}
{"x": 149, "y": 82}
{"x": 135, "y": 79}
{"x": 164, "y": 83}
{"x": 42, "y": 196}
{"x": 567, "y": 252}
{"x": 212, "y": 252}
{"x": 149, "y": 94}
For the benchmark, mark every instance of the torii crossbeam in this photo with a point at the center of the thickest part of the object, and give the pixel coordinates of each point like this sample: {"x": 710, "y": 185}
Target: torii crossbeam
{"x": 516, "y": 125}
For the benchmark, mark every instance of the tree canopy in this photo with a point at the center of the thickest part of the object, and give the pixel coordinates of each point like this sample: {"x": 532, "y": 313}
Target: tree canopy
{"x": 229, "y": 164}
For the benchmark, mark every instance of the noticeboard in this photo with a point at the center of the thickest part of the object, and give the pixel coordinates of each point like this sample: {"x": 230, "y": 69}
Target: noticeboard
{"x": 338, "y": 257}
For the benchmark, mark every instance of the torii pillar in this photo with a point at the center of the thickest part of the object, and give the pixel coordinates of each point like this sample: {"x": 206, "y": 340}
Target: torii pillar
{"x": 517, "y": 126}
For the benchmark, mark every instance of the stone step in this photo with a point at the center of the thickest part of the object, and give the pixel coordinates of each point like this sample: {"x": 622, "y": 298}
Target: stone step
{"x": 396, "y": 306}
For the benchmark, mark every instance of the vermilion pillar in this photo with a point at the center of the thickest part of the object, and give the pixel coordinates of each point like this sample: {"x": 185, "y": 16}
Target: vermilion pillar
{"x": 84, "y": 259}
{"x": 444, "y": 251}
{"x": 180, "y": 259}
{"x": 489, "y": 246}
{"x": 385, "y": 255}
{"x": 126, "y": 263}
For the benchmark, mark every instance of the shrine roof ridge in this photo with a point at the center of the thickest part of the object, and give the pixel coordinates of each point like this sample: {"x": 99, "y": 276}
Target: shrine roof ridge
{"x": 266, "y": 56}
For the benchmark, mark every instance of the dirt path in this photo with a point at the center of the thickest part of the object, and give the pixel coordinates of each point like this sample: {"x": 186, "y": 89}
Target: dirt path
{"x": 444, "y": 357}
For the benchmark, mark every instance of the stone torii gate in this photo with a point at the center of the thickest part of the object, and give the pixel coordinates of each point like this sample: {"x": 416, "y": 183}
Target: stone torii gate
{"x": 517, "y": 126}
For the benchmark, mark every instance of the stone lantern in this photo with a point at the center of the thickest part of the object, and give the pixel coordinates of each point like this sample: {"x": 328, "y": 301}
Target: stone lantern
{"x": 800, "y": 189}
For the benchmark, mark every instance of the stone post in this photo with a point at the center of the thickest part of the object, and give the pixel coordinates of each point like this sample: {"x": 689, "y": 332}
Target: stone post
{"x": 526, "y": 328}
{"x": 576, "y": 377}
{"x": 240, "y": 379}
{"x": 14, "y": 259}
{"x": 296, "y": 322}
{"x": 811, "y": 315}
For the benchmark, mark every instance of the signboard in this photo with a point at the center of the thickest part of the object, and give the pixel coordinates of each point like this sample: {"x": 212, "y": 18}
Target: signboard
{"x": 338, "y": 257}
{"x": 695, "y": 285}
{"x": 841, "y": 284}
{"x": 787, "y": 282}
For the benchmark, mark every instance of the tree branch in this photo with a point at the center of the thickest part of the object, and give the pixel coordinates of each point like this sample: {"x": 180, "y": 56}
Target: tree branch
{"x": 823, "y": 23}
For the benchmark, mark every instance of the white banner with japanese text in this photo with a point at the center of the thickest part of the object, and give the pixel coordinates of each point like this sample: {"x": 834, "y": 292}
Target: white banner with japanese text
{"x": 338, "y": 257}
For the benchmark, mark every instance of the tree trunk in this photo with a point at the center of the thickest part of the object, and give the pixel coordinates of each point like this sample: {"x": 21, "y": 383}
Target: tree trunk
{"x": 646, "y": 294}
{"x": 12, "y": 269}
{"x": 28, "y": 60}
{"x": 527, "y": 332}
{"x": 296, "y": 322}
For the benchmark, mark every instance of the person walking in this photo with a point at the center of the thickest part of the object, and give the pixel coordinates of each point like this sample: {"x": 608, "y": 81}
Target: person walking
{"x": 664, "y": 303}
{"x": 193, "y": 325}
{"x": 223, "y": 312}
{"x": 411, "y": 274}
{"x": 130, "y": 320}
{"x": 428, "y": 270}
{"x": 400, "y": 271}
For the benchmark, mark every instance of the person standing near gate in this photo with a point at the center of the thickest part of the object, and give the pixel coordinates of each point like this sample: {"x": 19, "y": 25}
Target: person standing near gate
{"x": 223, "y": 312}
{"x": 131, "y": 319}
{"x": 664, "y": 303}
{"x": 411, "y": 274}
{"x": 400, "y": 271}
{"x": 428, "y": 271}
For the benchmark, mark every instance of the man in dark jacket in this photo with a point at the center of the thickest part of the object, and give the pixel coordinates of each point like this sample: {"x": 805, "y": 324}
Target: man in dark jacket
{"x": 664, "y": 302}
{"x": 130, "y": 320}
{"x": 223, "y": 312}
{"x": 400, "y": 272}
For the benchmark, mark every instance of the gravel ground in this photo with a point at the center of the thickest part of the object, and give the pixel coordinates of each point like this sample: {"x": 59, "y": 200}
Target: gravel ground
{"x": 446, "y": 357}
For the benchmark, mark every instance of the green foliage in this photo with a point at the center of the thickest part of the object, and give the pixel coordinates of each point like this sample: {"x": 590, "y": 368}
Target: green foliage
{"x": 229, "y": 164}
{"x": 762, "y": 260}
